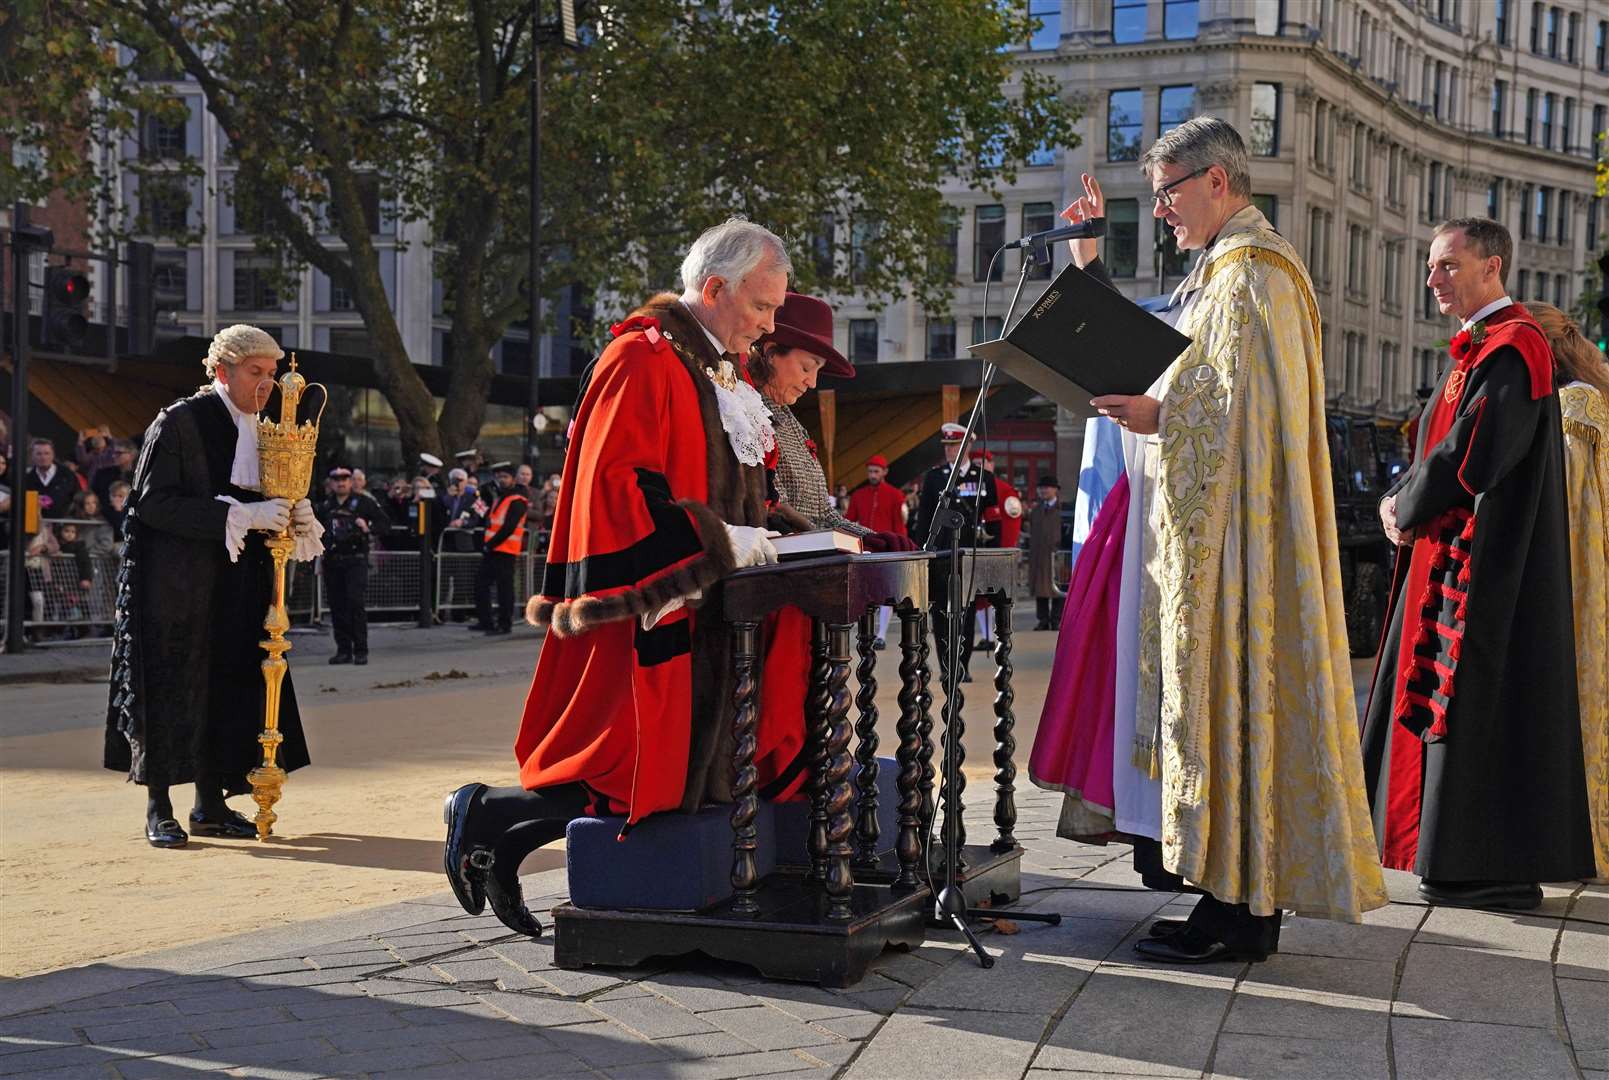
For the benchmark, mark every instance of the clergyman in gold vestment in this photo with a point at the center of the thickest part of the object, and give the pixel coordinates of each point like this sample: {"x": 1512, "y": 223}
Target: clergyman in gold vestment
{"x": 1263, "y": 803}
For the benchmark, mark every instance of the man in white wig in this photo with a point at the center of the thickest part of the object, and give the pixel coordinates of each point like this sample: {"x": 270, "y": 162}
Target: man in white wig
{"x": 186, "y": 701}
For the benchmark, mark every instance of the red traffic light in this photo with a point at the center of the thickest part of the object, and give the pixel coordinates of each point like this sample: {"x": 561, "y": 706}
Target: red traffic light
{"x": 66, "y": 322}
{"x": 67, "y": 286}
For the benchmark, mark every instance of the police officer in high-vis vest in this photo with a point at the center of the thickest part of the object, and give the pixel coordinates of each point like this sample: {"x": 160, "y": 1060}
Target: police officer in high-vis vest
{"x": 505, "y": 530}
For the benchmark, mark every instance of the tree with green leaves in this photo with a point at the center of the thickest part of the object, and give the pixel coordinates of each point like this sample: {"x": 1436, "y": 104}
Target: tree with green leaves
{"x": 833, "y": 122}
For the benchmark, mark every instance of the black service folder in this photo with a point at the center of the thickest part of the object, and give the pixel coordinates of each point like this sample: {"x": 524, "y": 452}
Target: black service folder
{"x": 1082, "y": 339}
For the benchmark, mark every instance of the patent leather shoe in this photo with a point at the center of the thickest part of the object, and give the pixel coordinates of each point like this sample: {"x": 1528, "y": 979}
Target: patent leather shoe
{"x": 360, "y": 659}
{"x": 507, "y": 898}
{"x": 1496, "y": 895}
{"x": 467, "y": 888}
{"x": 1191, "y": 946}
{"x": 165, "y": 834}
{"x": 1162, "y": 928}
{"x": 230, "y": 825}
{"x": 341, "y": 658}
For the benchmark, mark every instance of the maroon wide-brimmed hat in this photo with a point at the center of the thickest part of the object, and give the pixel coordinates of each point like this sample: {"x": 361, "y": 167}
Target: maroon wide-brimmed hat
{"x": 803, "y": 322}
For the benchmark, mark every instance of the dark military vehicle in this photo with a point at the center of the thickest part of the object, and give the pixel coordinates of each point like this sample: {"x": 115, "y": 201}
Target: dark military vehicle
{"x": 1364, "y": 461}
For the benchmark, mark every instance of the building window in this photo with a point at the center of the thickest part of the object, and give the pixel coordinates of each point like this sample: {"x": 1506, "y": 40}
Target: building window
{"x": 985, "y": 329}
{"x": 1048, "y": 12}
{"x": 1360, "y": 157}
{"x": 1530, "y": 116}
{"x": 1544, "y": 203}
{"x": 357, "y": 342}
{"x": 1122, "y": 237}
{"x": 1175, "y": 263}
{"x": 1553, "y": 32}
{"x": 1268, "y": 16}
{"x": 1567, "y": 126}
{"x": 1499, "y": 105}
{"x": 1435, "y": 89}
{"x": 1524, "y": 285}
{"x": 1561, "y": 230}
{"x": 1391, "y": 275}
{"x": 1318, "y": 245}
{"x": 940, "y": 339}
{"x": 1269, "y": 206}
{"x": 1559, "y": 282}
{"x": 1536, "y": 28}
{"x": 340, "y": 299}
{"x": 165, "y": 201}
{"x": 821, "y": 246}
{"x": 1433, "y": 208}
{"x": 1494, "y": 200}
{"x": 1573, "y": 36}
{"x": 1041, "y": 156}
{"x": 1394, "y": 176}
{"x": 1128, "y": 21}
{"x": 255, "y": 288}
{"x": 1527, "y": 194}
{"x": 1123, "y": 123}
{"x": 1321, "y": 135}
{"x": 1038, "y": 217}
{"x": 1603, "y": 44}
{"x": 1592, "y": 224}
{"x": 1264, "y": 140}
{"x": 1175, "y": 105}
{"x": 1599, "y": 115}
{"x": 946, "y": 251}
{"x": 1357, "y": 260}
{"x": 163, "y": 140}
{"x": 988, "y": 235}
{"x": 1180, "y": 19}
{"x": 863, "y": 341}
{"x": 170, "y": 280}
{"x": 1502, "y": 22}
{"x": 1427, "y": 299}
{"x": 1549, "y": 104}
{"x": 864, "y": 234}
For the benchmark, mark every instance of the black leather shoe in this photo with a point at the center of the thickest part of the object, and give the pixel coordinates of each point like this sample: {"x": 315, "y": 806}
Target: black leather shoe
{"x": 1191, "y": 946}
{"x": 455, "y": 855}
{"x": 1041, "y": 626}
{"x": 360, "y": 659}
{"x": 475, "y": 626}
{"x": 341, "y": 658}
{"x": 1496, "y": 895}
{"x": 1165, "y": 928}
{"x": 166, "y": 833}
{"x": 507, "y": 899}
{"x": 231, "y": 825}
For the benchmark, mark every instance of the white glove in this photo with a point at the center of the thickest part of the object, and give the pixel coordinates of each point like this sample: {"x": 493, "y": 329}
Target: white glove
{"x": 270, "y": 515}
{"x": 750, "y": 546}
{"x": 302, "y": 515}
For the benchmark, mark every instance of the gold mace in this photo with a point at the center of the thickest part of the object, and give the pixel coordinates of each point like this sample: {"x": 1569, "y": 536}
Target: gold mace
{"x": 285, "y": 451}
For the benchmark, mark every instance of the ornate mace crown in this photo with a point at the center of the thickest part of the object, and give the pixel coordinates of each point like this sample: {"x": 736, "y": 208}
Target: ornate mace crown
{"x": 285, "y": 449}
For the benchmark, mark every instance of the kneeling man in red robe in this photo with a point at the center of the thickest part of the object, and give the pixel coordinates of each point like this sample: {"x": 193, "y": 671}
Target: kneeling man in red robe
{"x": 664, "y": 493}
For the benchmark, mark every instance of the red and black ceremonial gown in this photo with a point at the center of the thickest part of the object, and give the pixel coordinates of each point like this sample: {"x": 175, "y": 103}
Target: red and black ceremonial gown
{"x": 1472, "y": 738}
{"x": 642, "y": 717}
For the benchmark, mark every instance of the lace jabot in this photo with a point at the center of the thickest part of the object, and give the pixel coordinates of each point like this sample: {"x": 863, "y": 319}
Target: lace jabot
{"x": 746, "y": 420}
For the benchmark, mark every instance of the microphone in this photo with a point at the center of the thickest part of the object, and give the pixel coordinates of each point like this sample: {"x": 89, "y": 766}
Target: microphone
{"x": 1084, "y": 230}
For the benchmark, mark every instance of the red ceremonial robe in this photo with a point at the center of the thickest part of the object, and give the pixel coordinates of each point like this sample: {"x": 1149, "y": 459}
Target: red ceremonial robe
{"x": 642, "y": 717}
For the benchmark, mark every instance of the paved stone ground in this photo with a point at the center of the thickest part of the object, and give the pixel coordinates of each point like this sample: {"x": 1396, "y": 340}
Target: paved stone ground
{"x": 421, "y": 990}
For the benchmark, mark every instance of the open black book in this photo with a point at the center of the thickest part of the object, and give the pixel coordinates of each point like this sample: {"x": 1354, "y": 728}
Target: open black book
{"x": 1082, "y": 339}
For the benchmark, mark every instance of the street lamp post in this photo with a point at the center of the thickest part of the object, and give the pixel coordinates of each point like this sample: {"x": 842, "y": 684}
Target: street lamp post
{"x": 534, "y": 392}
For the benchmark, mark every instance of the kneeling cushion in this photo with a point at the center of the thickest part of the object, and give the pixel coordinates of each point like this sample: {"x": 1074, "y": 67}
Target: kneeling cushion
{"x": 667, "y": 862}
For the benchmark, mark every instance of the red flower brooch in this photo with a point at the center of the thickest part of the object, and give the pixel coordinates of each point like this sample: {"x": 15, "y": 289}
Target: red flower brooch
{"x": 1466, "y": 341}
{"x": 810, "y": 445}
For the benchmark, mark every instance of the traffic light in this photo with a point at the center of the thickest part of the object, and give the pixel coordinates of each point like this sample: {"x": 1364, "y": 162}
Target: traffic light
{"x": 66, "y": 303}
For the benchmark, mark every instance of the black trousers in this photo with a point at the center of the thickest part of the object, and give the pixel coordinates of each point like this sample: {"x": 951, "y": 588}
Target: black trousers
{"x": 941, "y": 636}
{"x": 346, "y": 588}
{"x": 496, "y": 573}
{"x": 514, "y": 822}
{"x": 1232, "y": 924}
{"x": 1047, "y": 610}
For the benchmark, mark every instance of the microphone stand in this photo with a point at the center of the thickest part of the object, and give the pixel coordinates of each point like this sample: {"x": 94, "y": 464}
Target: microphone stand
{"x": 951, "y": 903}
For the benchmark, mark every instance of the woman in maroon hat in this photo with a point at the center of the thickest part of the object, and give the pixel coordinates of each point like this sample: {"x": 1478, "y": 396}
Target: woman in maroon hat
{"x": 783, "y": 367}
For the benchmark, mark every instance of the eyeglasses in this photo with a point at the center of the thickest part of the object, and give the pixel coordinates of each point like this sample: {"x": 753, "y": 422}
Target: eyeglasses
{"x": 1162, "y": 197}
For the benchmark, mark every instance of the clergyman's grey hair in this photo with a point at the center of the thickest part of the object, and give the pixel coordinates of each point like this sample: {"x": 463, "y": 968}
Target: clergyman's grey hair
{"x": 1198, "y": 143}
{"x": 731, "y": 251}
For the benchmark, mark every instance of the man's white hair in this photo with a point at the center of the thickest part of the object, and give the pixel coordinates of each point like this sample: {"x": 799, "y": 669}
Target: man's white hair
{"x": 731, "y": 251}
{"x": 235, "y": 343}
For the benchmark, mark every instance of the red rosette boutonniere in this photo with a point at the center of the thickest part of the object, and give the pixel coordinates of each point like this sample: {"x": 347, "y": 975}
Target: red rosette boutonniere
{"x": 810, "y": 445}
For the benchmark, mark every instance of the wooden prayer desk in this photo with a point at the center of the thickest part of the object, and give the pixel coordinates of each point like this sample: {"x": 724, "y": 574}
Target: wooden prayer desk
{"x": 813, "y": 922}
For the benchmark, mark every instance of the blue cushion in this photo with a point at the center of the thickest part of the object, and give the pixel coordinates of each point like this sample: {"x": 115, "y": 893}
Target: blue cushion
{"x": 793, "y": 818}
{"x": 667, "y": 862}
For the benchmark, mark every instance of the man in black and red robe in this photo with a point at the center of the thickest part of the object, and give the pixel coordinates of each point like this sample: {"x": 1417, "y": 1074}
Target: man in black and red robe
{"x": 1472, "y": 737}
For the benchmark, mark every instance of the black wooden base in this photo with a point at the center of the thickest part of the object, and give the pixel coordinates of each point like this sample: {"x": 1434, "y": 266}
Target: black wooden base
{"x": 789, "y": 938}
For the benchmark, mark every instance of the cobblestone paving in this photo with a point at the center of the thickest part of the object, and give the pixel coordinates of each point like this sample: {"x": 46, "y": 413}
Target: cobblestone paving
{"x": 420, "y": 990}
